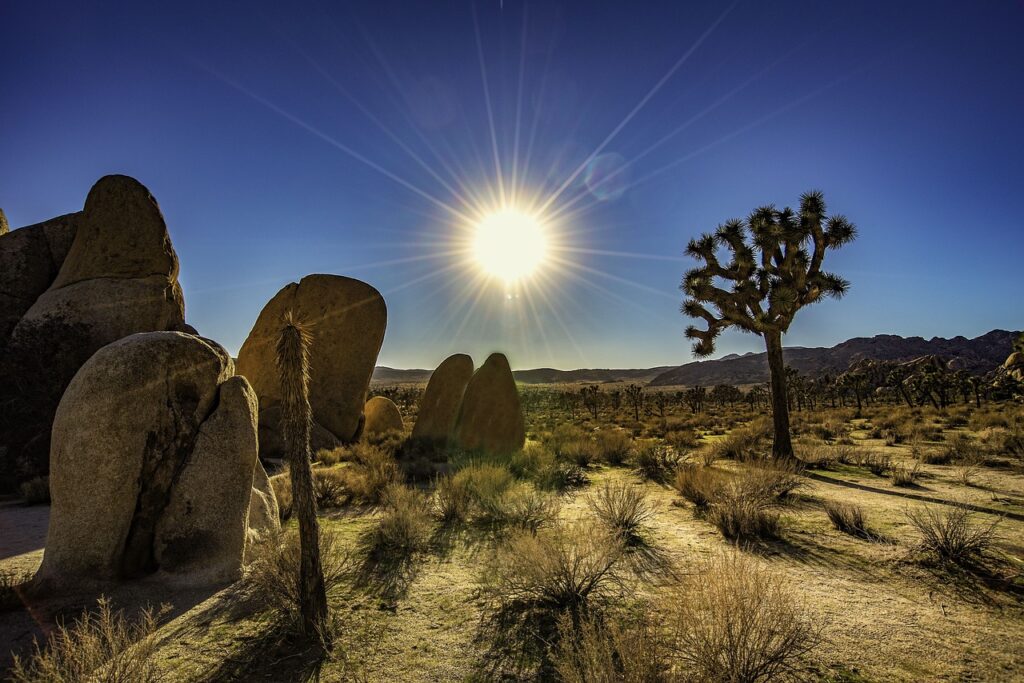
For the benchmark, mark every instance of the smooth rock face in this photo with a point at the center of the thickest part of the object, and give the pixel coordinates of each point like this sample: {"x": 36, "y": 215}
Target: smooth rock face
{"x": 491, "y": 417}
{"x": 4, "y": 227}
{"x": 153, "y": 445}
{"x": 30, "y": 259}
{"x": 119, "y": 276}
{"x": 347, "y": 319}
{"x": 382, "y": 415}
{"x": 202, "y": 531}
{"x": 439, "y": 407}
{"x": 1014, "y": 366}
{"x": 264, "y": 516}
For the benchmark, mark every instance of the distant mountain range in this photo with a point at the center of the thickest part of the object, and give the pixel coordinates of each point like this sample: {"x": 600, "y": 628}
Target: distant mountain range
{"x": 977, "y": 355}
{"x": 386, "y": 375}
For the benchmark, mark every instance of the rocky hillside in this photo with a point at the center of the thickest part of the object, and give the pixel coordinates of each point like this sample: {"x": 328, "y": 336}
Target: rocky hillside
{"x": 977, "y": 355}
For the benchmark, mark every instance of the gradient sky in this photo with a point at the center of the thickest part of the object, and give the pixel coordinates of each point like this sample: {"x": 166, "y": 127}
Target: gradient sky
{"x": 288, "y": 138}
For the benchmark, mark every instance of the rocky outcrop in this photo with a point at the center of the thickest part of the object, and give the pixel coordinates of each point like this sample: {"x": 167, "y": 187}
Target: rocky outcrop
{"x": 347, "y": 319}
{"x": 439, "y": 406}
{"x": 116, "y": 274}
{"x": 491, "y": 417}
{"x": 4, "y": 227}
{"x": 1014, "y": 366}
{"x": 382, "y": 415}
{"x": 152, "y": 465}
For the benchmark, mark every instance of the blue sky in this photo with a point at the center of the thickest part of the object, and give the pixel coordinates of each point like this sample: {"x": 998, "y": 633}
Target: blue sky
{"x": 288, "y": 138}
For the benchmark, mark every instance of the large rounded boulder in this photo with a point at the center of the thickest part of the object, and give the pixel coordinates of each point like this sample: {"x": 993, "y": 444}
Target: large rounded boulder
{"x": 1014, "y": 366}
{"x": 382, "y": 415}
{"x": 491, "y": 416}
{"x": 347, "y": 318}
{"x": 439, "y": 406}
{"x": 109, "y": 271}
{"x": 151, "y": 465}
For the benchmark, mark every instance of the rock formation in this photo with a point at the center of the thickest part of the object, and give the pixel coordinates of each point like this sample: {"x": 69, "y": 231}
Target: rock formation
{"x": 347, "y": 318}
{"x": 152, "y": 465}
{"x": 72, "y": 285}
{"x": 491, "y": 417}
{"x": 382, "y": 415}
{"x": 1014, "y": 366}
{"x": 439, "y": 407}
{"x": 4, "y": 227}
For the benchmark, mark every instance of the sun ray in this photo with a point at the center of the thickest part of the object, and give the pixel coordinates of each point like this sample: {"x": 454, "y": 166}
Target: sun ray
{"x": 487, "y": 103}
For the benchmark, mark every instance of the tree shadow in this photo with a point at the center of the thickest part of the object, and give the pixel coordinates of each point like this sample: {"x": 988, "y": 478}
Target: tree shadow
{"x": 276, "y": 653}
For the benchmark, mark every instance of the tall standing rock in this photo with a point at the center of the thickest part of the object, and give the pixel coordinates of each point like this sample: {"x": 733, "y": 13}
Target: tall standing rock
{"x": 152, "y": 464}
{"x": 439, "y": 407}
{"x": 119, "y": 276}
{"x": 347, "y": 318}
{"x": 4, "y": 227}
{"x": 382, "y": 415}
{"x": 491, "y": 417}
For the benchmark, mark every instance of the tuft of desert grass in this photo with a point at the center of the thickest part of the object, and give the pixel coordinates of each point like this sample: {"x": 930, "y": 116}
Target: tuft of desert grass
{"x": 282, "y": 486}
{"x": 624, "y": 649}
{"x": 848, "y": 518}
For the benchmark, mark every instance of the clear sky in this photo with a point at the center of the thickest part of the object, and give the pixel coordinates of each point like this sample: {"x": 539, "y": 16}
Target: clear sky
{"x": 365, "y": 139}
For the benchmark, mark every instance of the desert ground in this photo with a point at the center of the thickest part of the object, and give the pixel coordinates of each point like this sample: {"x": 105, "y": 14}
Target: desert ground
{"x": 422, "y": 575}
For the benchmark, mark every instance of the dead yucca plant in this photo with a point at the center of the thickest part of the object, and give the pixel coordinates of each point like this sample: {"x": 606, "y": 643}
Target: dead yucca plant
{"x": 950, "y": 532}
{"x": 732, "y": 620}
{"x": 624, "y": 509}
{"x": 848, "y": 518}
{"x": 101, "y": 646}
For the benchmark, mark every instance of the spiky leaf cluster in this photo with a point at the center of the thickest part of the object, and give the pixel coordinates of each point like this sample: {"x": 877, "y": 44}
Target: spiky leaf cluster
{"x": 773, "y": 268}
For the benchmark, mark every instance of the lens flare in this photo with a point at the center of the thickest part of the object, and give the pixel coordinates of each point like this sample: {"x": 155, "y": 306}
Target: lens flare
{"x": 509, "y": 244}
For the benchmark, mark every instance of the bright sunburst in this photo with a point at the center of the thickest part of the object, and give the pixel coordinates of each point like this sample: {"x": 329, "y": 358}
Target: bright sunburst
{"x": 509, "y": 244}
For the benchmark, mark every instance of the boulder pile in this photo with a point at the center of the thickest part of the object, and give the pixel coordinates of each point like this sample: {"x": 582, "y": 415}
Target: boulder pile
{"x": 69, "y": 286}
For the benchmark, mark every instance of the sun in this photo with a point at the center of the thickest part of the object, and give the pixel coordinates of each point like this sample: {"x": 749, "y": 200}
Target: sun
{"x": 510, "y": 244}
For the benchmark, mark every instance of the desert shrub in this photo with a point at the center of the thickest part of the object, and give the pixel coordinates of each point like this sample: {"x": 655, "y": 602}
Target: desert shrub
{"x": 536, "y": 579}
{"x": 370, "y": 474}
{"x": 273, "y": 576}
{"x": 485, "y": 482}
{"x": 740, "y": 517}
{"x": 817, "y": 457}
{"x": 282, "y": 485}
{"x": 950, "y": 533}
{"x": 404, "y": 527}
{"x": 624, "y": 509}
{"x": 539, "y": 464}
{"x": 613, "y": 446}
{"x": 101, "y": 645}
{"x": 876, "y": 463}
{"x": 581, "y": 452}
{"x": 626, "y": 649}
{"x": 708, "y": 455}
{"x": 931, "y": 456}
{"x": 561, "y": 476}
{"x": 562, "y": 436}
{"x": 847, "y": 518}
{"x": 452, "y": 500}
{"x": 926, "y": 432}
{"x": 742, "y": 444}
{"x": 329, "y": 489}
{"x": 656, "y": 463}
{"x": 328, "y": 457}
{"x": 699, "y": 485}
{"x": 735, "y": 621}
{"x": 524, "y": 507}
{"x": 682, "y": 439}
{"x": 967, "y": 471}
{"x": 489, "y": 495}
{"x": 530, "y": 460}
{"x": 36, "y": 491}
{"x": 901, "y": 475}
{"x": 767, "y": 481}
{"x": 961, "y": 448}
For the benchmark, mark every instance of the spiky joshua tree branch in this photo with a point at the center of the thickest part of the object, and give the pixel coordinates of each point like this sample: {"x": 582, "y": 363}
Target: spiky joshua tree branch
{"x": 756, "y": 274}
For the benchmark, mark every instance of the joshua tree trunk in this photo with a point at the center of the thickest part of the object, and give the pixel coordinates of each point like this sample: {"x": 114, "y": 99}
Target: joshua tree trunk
{"x": 782, "y": 447}
{"x": 296, "y": 424}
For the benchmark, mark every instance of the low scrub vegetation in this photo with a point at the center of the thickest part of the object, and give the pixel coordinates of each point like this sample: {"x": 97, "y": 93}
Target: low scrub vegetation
{"x": 951, "y": 534}
{"x": 625, "y": 510}
{"x": 405, "y": 525}
{"x": 36, "y": 491}
{"x": 100, "y": 645}
{"x": 733, "y": 620}
{"x": 848, "y": 518}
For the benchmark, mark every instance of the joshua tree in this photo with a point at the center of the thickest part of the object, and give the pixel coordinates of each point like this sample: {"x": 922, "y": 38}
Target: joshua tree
{"x": 591, "y": 396}
{"x": 635, "y": 396}
{"x": 296, "y": 423}
{"x": 774, "y": 270}
{"x": 695, "y": 398}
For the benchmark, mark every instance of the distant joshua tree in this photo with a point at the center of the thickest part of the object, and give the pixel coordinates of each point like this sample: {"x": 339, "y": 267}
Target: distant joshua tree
{"x": 774, "y": 270}
{"x": 296, "y": 423}
{"x": 591, "y": 396}
{"x": 635, "y": 396}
